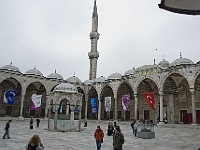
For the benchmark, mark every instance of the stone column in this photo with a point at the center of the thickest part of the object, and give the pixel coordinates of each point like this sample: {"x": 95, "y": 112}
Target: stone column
{"x": 116, "y": 110}
{"x": 86, "y": 106}
{"x": 79, "y": 113}
{"x": 161, "y": 107}
{"x": 171, "y": 108}
{"x": 99, "y": 109}
{"x": 22, "y": 105}
{"x": 47, "y": 106}
{"x": 136, "y": 103}
{"x": 55, "y": 118}
{"x": 194, "y": 121}
{"x": 72, "y": 118}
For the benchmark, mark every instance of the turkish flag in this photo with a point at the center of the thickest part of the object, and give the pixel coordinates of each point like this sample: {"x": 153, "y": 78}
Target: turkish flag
{"x": 149, "y": 98}
{"x": 188, "y": 7}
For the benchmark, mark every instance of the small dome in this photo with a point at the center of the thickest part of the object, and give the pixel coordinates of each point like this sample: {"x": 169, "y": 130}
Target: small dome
{"x": 115, "y": 76}
{"x": 10, "y": 68}
{"x": 65, "y": 87}
{"x": 100, "y": 79}
{"x": 73, "y": 80}
{"x": 181, "y": 61}
{"x": 33, "y": 72}
{"x": 130, "y": 72}
{"x": 88, "y": 82}
{"x": 164, "y": 63}
{"x": 55, "y": 76}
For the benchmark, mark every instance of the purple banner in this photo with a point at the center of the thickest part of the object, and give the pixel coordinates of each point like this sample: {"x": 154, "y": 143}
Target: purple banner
{"x": 125, "y": 101}
{"x": 35, "y": 102}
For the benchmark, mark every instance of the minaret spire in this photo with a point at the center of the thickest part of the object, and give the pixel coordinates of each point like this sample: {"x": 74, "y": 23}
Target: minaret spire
{"x": 95, "y": 9}
{"x": 94, "y": 36}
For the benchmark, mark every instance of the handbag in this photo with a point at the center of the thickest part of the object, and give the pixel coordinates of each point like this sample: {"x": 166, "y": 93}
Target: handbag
{"x": 102, "y": 140}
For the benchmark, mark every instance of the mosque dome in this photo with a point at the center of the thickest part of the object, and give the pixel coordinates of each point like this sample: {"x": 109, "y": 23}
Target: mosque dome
{"x": 73, "y": 80}
{"x": 130, "y": 72}
{"x": 164, "y": 63}
{"x": 65, "y": 87}
{"x": 181, "y": 61}
{"x": 88, "y": 82}
{"x": 115, "y": 76}
{"x": 198, "y": 62}
{"x": 33, "y": 72}
{"x": 55, "y": 76}
{"x": 100, "y": 79}
{"x": 10, "y": 68}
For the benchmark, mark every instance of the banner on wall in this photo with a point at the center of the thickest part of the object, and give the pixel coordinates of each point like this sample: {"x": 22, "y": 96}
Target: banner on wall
{"x": 108, "y": 103}
{"x": 149, "y": 98}
{"x": 9, "y": 97}
{"x": 53, "y": 108}
{"x": 61, "y": 106}
{"x": 188, "y": 7}
{"x": 125, "y": 101}
{"x": 76, "y": 109}
{"x": 93, "y": 102}
{"x": 35, "y": 102}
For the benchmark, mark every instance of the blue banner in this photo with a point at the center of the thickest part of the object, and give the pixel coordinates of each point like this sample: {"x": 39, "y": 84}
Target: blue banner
{"x": 9, "y": 97}
{"x": 93, "y": 102}
{"x": 76, "y": 109}
{"x": 61, "y": 105}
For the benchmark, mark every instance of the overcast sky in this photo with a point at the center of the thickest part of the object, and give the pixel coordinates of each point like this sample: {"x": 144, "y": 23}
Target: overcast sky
{"x": 54, "y": 34}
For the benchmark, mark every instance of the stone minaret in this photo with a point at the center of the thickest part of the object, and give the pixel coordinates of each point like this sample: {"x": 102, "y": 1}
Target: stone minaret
{"x": 94, "y": 36}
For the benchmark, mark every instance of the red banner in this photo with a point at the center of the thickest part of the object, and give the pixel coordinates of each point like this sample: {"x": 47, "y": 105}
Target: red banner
{"x": 149, "y": 98}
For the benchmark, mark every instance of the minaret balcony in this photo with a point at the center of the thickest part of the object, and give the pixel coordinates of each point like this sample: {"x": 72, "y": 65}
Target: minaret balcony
{"x": 94, "y": 35}
{"x": 93, "y": 55}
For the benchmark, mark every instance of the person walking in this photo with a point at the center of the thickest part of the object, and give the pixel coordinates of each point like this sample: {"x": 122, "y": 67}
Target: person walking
{"x": 37, "y": 122}
{"x": 118, "y": 139}
{"x": 135, "y": 128}
{"x": 35, "y": 143}
{"x": 31, "y": 123}
{"x": 98, "y": 135}
{"x": 132, "y": 126}
{"x": 7, "y": 130}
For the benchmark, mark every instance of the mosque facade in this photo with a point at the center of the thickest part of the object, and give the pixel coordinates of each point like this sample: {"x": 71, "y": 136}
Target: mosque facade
{"x": 176, "y": 89}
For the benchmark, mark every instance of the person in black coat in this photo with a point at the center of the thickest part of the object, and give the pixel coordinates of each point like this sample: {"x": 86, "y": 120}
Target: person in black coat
{"x": 37, "y": 122}
{"x": 7, "y": 130}
{"x": 31, "y": 123}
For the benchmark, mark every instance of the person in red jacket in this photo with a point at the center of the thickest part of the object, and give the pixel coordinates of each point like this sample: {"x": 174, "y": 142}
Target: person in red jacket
{"x": 98, "y": 135}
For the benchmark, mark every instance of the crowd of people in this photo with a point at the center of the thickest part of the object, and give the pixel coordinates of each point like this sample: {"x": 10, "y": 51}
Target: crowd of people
{"x": 113, "y": 130}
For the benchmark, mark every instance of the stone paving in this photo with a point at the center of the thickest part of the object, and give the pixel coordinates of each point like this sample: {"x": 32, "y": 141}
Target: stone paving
{"x": 168, "y": 137}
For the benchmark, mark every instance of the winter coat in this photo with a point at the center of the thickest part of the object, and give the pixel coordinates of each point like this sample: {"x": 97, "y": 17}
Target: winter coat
{"x": 118, "y": 140}
{"x": 7, "y": 126}
{"x": 98, "y": 135}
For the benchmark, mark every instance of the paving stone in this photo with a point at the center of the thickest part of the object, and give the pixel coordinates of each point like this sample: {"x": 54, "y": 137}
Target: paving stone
{"x": 168, "y": 137}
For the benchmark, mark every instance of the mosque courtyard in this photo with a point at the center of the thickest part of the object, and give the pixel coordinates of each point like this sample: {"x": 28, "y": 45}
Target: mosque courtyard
{"x": 168, "y": 137}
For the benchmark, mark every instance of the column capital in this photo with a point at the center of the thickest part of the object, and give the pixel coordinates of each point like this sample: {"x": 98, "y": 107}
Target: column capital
{"x": 161, "y": 93}
{"x": 192, "y": 90}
